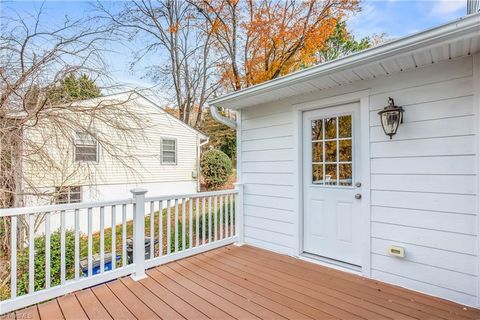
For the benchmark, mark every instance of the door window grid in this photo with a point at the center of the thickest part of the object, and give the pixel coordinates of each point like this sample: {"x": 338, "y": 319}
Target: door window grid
{"x": 339, "y": 166}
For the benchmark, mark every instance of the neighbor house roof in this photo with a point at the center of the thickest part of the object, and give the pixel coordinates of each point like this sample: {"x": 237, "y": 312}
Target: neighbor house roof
{"x": 449, "y": 41}
{"x": 133, "y": 95}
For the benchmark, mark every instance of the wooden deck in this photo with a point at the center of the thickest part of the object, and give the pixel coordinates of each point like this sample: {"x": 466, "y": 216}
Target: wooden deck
{"x": 246, "y": 283}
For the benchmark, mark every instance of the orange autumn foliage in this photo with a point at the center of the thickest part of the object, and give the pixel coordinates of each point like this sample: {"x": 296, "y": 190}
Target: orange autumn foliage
{"x": 260, "y": 40}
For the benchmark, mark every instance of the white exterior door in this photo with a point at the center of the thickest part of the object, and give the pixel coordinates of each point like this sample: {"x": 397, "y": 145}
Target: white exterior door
{"x": 331, "y": 183}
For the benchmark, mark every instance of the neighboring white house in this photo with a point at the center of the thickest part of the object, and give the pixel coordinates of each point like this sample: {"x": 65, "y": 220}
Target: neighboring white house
{"x": 162, "y": 157}
{"x": 322, "y": 181}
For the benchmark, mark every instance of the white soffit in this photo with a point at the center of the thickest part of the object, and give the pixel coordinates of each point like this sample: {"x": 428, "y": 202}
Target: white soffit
{"x": 450, "y": 41}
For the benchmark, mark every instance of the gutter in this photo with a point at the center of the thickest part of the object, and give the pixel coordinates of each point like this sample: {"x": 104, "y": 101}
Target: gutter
{"x": 199, "y": 150}
{"x": 219, "y": 118}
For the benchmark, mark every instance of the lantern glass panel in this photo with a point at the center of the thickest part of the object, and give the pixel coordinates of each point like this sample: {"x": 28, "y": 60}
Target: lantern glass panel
{"x": 390, "y": 121}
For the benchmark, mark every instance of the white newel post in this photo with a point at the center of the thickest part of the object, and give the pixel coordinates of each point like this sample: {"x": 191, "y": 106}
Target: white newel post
{"x": 139, "y": 233}
{"x": 239, "y": 213}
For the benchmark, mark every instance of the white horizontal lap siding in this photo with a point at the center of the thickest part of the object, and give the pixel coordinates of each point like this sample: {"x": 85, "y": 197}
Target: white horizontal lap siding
{"x": 423, "y": 183}
{"x": 142, "y": 162}
{"x": 267, "y": 173}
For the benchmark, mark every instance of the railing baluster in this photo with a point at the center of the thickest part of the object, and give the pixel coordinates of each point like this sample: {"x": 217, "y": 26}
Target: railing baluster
{"x": 62, "y": 247}
{"x": 226, "y": 216}
{"x": 90, "y": 262}
{"x": 102, "y": 239}
{"x": 184, "y": 203}
{"x": 190, "y": 223}
{"x": 13, "y": 257}
{"x": 232, "y": 197}
{"x": 209, "y": 219}
{"x": 203, "y": 220}
{"x": 48, "y": 249}
{"x": 197, "y": 221}
{"x": 221, "y": 217}
{"x": 77, "y": 243}
{"x": 31, "y": 254}
{"x": 113, "y": 247}
{"x": 160, "y": 229}
{"x": 215, "y": 218}
{"x": 124, "y": 235}
{"x": 168, "y": 226}
{"x": 152, "y": 228}
{"x": 176, "y": 225}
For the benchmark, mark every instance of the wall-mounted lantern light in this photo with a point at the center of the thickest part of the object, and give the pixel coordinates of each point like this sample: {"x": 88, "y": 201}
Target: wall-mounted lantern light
{"x": 391, "y": 117}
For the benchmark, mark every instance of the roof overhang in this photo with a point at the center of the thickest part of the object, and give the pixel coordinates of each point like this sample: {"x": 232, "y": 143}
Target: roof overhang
{"x": 450, "y": 41}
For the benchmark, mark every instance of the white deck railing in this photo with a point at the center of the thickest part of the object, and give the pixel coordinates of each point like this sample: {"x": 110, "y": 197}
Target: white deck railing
{"x": 46, "y": 262}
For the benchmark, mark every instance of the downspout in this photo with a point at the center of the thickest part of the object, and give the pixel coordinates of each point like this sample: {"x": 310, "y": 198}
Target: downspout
{"x": 199, "y": 150}
{"x": 219, "y": 118}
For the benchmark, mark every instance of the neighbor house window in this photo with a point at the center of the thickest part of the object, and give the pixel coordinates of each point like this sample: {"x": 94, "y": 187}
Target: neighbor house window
{"x": 72, "y": 194}
{"x": 169, "y": 151}
{"x": 86, "y": 147}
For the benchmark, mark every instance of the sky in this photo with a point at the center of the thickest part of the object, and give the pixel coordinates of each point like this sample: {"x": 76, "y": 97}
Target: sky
{"x": 395, "y": 18}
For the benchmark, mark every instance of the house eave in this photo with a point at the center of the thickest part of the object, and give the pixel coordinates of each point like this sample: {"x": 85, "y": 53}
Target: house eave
{"x": 465, "y": 29}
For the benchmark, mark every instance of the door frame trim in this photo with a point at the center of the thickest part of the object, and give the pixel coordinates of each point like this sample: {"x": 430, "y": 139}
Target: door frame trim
{"x": 362, "y": 97}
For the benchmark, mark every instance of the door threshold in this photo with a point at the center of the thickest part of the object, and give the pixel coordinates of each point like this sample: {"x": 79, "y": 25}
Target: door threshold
{"x": 331, "y": 263}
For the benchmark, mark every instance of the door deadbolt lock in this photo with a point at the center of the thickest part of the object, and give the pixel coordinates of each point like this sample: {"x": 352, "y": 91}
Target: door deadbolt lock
{"x": 358, "y": 184}
{"x": 358, "y": 196}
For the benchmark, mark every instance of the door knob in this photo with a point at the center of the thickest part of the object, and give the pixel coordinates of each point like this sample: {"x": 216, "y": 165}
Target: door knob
{"x": 358, "y": 196}
{"x": 358, "y": 184}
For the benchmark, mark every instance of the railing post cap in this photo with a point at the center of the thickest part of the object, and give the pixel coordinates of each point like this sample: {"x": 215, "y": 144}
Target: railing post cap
{"x": 138, "y": 191}
{"x": 238, "y": 184}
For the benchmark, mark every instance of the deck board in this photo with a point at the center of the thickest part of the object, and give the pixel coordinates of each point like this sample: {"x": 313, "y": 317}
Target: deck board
{"x": 50, "y": 310}
{"x": 71, "y": 308}
{"x": 334, "y": 287}
{"x": 388, "y": 294}
{"x": 111, "y": 303}
{"x": 246, "y": 283}
{"x": 348, "y": 305}
{"x": 91, "y": 305}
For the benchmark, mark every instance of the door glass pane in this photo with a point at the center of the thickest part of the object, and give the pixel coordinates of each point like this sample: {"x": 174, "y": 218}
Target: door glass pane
{"x": 317, "y": 129}
{"x": 317, "y": 173}
{"x": 331, "y": 128}
{"x": 331, "y": 174}
{"x": 317, "y": 152}
{"x": 345, "y": 150}
{"x": 345, "y": 173}
{"x": 345, "y": 126}
{"x": 331, "y": 151}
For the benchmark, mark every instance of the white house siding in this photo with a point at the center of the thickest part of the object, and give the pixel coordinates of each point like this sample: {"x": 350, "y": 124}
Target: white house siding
{"x": 423, "y": 182}
{"x": 144, "y": 167}
{"x": 109, "y": 179}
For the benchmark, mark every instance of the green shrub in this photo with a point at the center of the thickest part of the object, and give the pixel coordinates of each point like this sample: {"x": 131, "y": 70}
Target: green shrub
{"x": 39, "y": 263}
{"x": 210, "y": 217}
{"x": 216, "y": 168}
{"x": 180, "y": 240}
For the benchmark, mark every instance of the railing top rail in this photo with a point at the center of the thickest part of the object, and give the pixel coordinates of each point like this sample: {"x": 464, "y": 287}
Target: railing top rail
{"x": 193, "y": 195}
{"x": 60, "y": 207}
{"x": 72, "y": 206}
